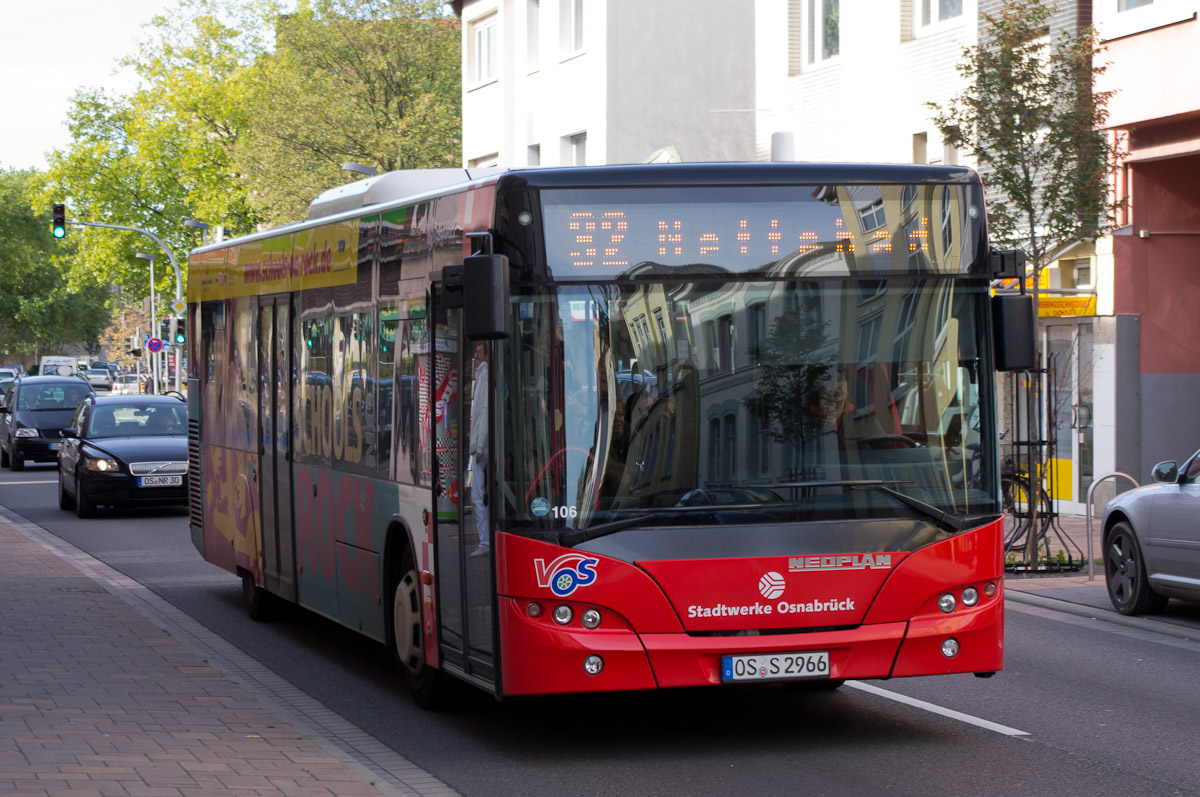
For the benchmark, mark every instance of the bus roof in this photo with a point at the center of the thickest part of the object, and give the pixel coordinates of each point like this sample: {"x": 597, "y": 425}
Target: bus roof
{"x": 411, "y": 185}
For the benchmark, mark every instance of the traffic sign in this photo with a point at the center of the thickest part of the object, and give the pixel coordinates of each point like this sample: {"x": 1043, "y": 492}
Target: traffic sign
{"x": 178, "y": 307}
{"x": 154, "y": 344}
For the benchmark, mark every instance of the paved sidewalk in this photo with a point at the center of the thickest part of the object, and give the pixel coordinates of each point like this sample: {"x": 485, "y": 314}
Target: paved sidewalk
{"x": 96, "y": 699}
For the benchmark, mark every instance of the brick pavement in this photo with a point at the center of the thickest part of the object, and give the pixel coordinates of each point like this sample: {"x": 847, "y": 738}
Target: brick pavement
{"x": 96, "y": 699}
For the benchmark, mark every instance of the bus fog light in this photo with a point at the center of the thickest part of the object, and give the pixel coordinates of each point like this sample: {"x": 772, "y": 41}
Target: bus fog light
{"x": 563, "y": 614}
{"x": 533, "y": 609}
{"x": 590, "y": 618}
{"x": 989, "y": 590}
{"x": 950, "y": 648}
{"x": 970, "y": 596}
{"x": 592, "y": 665}
{"x": 947, "y": 603}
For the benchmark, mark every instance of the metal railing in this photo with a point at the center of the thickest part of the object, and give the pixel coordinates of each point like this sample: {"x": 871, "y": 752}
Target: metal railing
{"x": 1088, "y": 514}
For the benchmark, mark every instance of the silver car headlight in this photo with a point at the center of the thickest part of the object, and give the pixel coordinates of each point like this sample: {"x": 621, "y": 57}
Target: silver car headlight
{"x": 103, "y": 464}
{"x": 25, "y": 431}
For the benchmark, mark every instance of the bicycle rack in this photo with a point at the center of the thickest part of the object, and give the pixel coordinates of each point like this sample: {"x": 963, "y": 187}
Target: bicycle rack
{"x": 1088, "y": 515}
{"x": 1029, "y": 453}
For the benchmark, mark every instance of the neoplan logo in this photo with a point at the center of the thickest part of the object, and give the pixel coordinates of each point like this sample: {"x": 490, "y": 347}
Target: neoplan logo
{"x": 845, "y": 561}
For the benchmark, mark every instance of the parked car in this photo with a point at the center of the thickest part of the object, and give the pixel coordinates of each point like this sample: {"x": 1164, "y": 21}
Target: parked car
{"x": 124, "y": 451}
{"x": 33, "y": 413}
{"x": 127, "y": 385}
{"x": 99, "y": 378}
{"x": 1152, "y": 540}
{"x": 9, "y": 373}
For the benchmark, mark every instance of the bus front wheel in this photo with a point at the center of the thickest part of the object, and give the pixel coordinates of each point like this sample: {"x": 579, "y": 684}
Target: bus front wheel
{"x": 408, "y": 639}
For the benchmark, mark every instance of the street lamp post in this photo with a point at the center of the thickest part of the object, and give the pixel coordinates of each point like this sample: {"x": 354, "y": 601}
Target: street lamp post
{"x": 199, "y": 225}
{"x": 153, "y": 322}
{"x": 358, "y": 168}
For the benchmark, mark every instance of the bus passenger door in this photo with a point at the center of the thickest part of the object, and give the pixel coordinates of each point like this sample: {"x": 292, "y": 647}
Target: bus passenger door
{"x": 465, "y": 586}
{"x": 274, "y": 444}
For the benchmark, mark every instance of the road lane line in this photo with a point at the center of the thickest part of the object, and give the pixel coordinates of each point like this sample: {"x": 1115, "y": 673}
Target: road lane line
{"x": 987, "y": 725}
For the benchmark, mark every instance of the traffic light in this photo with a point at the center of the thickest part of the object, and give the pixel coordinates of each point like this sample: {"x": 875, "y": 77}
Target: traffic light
{"x": 135, "y": 346}
{"x": 180, "y": 332}
{"x": 164, "y": 330}
{"x": 59, "y": 227}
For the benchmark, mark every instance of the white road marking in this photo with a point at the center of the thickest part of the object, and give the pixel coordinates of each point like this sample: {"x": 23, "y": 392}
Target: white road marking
{"x": 935, "y": 709}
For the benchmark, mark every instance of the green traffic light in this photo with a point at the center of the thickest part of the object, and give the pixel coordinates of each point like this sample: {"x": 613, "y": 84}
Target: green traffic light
{"x": 60, "y": 232}
{"x": 179, "y": 337}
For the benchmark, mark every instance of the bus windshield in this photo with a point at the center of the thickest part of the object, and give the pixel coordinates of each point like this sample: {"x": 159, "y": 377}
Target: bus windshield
{"x": 760, "y": 399}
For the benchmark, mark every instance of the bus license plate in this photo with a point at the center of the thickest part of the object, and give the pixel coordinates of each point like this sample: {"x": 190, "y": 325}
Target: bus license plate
{"x": 775, "y": 666}
{"x": 160, "y": 481}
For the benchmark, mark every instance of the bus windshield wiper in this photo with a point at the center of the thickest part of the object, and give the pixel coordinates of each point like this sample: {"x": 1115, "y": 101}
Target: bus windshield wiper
{"x": 951, "y": 521}
{"x": 572, "y": 537}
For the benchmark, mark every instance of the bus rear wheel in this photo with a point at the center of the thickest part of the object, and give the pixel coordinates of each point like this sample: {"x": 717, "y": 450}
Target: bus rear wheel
{"x": 408, "y": 639}
{"x": 260, "y": 604}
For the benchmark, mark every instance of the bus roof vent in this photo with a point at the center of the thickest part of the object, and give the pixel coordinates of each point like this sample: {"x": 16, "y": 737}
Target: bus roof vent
{"x": 391, "y": 186}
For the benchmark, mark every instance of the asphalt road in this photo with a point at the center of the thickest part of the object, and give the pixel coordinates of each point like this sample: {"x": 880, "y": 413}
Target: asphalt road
{"x": 1084, "y": 706}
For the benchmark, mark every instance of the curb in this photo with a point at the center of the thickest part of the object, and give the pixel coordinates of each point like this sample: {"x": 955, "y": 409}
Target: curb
{"x": 1141, "y": 623}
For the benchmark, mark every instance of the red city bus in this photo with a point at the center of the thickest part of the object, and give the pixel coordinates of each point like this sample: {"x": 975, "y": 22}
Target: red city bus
{"x": 616, "y": 428}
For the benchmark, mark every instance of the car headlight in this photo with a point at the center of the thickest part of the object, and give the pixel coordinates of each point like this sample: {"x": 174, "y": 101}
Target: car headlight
{"x": 25, "y": 431}
{"x": 102, "y": 464}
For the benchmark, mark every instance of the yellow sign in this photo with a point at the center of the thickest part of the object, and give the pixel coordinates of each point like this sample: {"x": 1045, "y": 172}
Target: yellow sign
{"x": 316, "y": 257}
{"x": 1058, "y": 306}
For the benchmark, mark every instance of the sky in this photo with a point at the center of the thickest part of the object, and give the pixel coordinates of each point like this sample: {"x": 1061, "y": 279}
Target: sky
{"x": 51, "y": 49}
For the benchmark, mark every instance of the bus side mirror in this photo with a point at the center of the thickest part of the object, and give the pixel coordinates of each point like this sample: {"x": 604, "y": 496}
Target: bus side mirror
{"x": 485, "y": 295}
{"x": 1007, "y": 263}
{"x": 1012, "y": 332}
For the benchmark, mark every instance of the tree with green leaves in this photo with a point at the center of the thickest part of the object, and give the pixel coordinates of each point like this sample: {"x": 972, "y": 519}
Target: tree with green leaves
{"x": 163, "y": 154}
{"x": 1032, "y": 119}
{"x": 45, "y": 309}
{"x": 376, "y": 82}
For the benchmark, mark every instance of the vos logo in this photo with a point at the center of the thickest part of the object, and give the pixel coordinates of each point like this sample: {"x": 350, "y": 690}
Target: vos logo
{"x": 567, "y": 573}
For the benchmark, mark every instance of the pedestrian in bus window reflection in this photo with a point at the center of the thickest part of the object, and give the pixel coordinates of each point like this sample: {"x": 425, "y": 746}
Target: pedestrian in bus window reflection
{"x": 479, "y": 450}
{"x": 837, "y": 413}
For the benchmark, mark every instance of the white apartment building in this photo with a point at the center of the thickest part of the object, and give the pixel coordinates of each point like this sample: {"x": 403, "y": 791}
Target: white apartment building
{"x": 572, "y": 82}
{"x": 851, "y": 80}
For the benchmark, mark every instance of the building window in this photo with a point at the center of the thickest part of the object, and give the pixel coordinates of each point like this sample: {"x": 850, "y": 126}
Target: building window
{"x": 486, "y": 160}
{"x": 532, "y": 10}
{"x": 823, "y": 38}
{"x": 714, "y": 450}
{"x": 729, "y": 448}
{"x": 709, "y": 331}
{"x": 866, "y": 354}
{"x": 905, "y": 321}
{"x": 571, "y": 27}
{"x": 935, "y": 12}
{"x": 872, "y": 216}
{"x": 947, "y": 221}
{"x": 533, "y": 155}
{"x": 483, "y": 51}
{"x": 726, "y": 335}
{"x": 576, "y": 150}
{"x": 1129, "y": 5}
{"x": 756, "y": 318}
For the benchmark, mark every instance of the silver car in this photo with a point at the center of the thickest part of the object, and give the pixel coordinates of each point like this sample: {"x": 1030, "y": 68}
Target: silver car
{"x": 1152, "y": 540}
{"x": 127, "y": 385}
{"x": 99, "y": 378}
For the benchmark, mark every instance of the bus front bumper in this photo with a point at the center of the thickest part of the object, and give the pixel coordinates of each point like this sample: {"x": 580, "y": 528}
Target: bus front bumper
{"x": 540, "y": 657}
